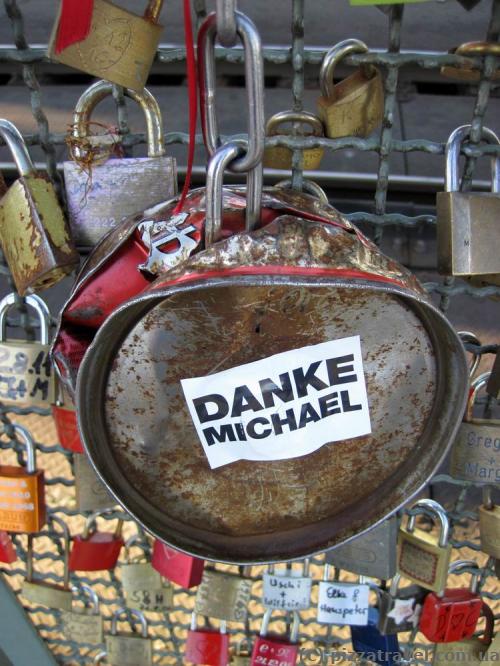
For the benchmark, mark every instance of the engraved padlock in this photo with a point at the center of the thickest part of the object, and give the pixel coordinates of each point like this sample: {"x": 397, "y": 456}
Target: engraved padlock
{"x": 280, "y": 157}
{"x": 129, "y": 649}
{"x": 41, "y": 592}
{"x": 90, "y": 492}
{"x": 423, "y": 557}
{"x": 271, "y": 648}
{"x": 468, "y": 233}
{"x": 22, "y": 491}
{"x": 223, "y": 596}
{"x": 288, "y": 589}
{"x": 143, "y": 586}
{"x": 489, "y": 525}
{"x": 34, "y": 235}
{"x": 26, "y": 372}
{"x": 118, "y": 46}
{"x": 399, "y": 609}
{"x": 83, "y": 627}
{"x": 355, "y": 106}
{"x": 100, "y": 196}
{"x": 475, "y": 455}
{"x": 465, "y": 72}
{"x": 180, "y": 568}
{"x": 94, "y": 550}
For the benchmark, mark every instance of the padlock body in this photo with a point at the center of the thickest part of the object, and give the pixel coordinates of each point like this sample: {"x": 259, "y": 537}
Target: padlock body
{"x": 422, "y": 560}
{"x": 413, "y": 597}
{"x": 450, "y": 617}
{"x": 34, "y": 235}
{"x": 144, "y": 588}
{"x": 269, "y": 650}
{"x": 22, "y": 500}
{"x": 469, "y": 651}
{"x": 356, "y": 108}
{"x": 280, "y": 157}
{"x": 117, "y": 189}
{"x": 82, "y": 627}
{"x": 91, "y": 493}
{"x": 223, "y": 596}
{"x": 208, "y": 647}
{"x": 468, "y": 234}
{"x": 489, "y": 530}
{"x": 370, "y": 644}
{"x": 45, "y": 594}
{"x": 475, "y": 455}
{"x": 7, "y": 550}
{"x": 185, "y": 570}
{"x": 128, "y": 650}
{"x": 26, "y": 374}
{"x": 97, "y": 553}
{"x": 67, "y": 428}
{"x": 120, "y": 46}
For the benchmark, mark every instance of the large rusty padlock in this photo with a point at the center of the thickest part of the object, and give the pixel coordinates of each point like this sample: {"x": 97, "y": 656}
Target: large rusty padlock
{"x": 34, "y": 235}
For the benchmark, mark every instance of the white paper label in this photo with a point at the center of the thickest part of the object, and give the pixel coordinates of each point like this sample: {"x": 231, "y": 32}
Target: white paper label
{"x": 290, "y": 593}
{"x": 343, "y": 603}
{"x": 283, "y": 406}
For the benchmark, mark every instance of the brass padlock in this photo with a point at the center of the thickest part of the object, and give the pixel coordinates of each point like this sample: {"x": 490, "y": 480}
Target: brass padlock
{"x": 120, "y": 46}
{"x": 468, "y": 233}
{"x": 83, "y": 627}
{"x": 101, "y": 195}
{"x": 223, "y": 596}
{"x": 143, "y": 586}
{"x": 34, "y": 235}
{"x": 48, "y": 594}
{"x": 475, "y": 455}
{"x": 26, "y": 373}
{"x": 422, "y": 557}
{"x": 355, "y": 105}
{"x": 280, "y": 157}
{"x": 465, "y": 72}
{"x": 242, "y": 653}
{"x": 129, "y": 649}
{"x": 489, "y": 525}
{"x": 91, "y": 493}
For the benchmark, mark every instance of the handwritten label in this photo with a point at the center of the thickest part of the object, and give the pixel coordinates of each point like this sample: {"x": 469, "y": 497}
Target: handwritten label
{"x": 284, "y": 406}
{"x": 26, "y": 374}
{"x": 343, "y": 603}
{"x": 291, "y": 593}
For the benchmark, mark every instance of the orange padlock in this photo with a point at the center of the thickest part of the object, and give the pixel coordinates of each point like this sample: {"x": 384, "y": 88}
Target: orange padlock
{"x": 22, "y": 496}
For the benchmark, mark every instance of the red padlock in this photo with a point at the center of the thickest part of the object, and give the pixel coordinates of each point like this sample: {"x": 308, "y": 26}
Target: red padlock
{"x": 180, "y": 568}
{"x": 453, "y": 615}
{"x": 7, "y": 550}
{"x": 207, "y": 646}
{"x": 66, "y": 425}
{"x": 93, "y": 550}
{"x": 268, "y": 650}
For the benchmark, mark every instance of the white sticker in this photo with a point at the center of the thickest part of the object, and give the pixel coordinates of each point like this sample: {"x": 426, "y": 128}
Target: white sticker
{"x": 290, "y": 593}
{"x": 283, "y": 406}
{"x": 405, "y": 610}
{"x": 343, "y": 603}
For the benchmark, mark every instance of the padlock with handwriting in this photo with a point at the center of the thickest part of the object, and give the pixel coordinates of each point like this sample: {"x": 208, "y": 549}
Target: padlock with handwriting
{"x": 271, "y": 649}
{"x": 287, "y": 590}
{"x": 143, "y": 586}
{"x": 223, "y": 596}
{"x": 342, "y": 603}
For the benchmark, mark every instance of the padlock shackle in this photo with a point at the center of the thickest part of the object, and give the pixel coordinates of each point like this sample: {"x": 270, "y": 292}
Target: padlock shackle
{"x": 129, "y": 612}
{"x": 478, "y": 383}
{"x": 101, "y": 89}
{"x": 302, "y": 117}
{"x": 91, "y": 521}
{"x": 227, "y": 32}
{"x": 478, "y": 49}
{"x": 471, "y": 338}
{"x": 308, "y": 186}
{"x": 33, "y": 301}
{"x": 332, "y": 59}
{"x": 99, "y": 657}
{"x": 294, "y": 632}
{"x": 17, "y": 146}
{"x": 29, "y": 444}
{"x": 135, "y": 540}
{"x": 90, "y": 593}
{"x": 434, "y": 510}
{"x": 55, "y": 520}
{"x": 490, "y": 624}
{"x": 459, "y": 566}
{"x": 487, "y": 499}
{"x": 452, "y": 154}
{"x": 326, "y": 571}
{"x": 152, "y": 11}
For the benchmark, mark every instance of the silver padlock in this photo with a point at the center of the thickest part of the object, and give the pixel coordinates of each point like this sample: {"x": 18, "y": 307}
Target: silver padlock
{"x": 83, "y": 627}
{"x": 143, "y": 586}
{"x": 288, "y": 589}
{"x": 468, "y": 232}
{"x": 129, "y": 649}
{"x": 91, "y": 493}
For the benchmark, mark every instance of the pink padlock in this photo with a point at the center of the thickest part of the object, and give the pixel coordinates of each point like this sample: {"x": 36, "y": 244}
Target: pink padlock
{"x": 207, "y": 646}
{"x": 180, "y": 568}
{"x": 268, "y": 650}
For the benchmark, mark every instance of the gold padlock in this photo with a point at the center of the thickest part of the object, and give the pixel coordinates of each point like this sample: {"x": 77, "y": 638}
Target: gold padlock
{"x": 34, "y": 235}
{"x": 223, "y": 596}
{"x": 422, "y": 557}
{"x": 465, "y": 72}
{"x": 355, "y": 105}
{"x": 83, "y": 627}
{"x": 129, "y": 649}
{"x": 143, "y": 586}
{"x": 489, "y": 525}
{"x": 120, "y": 46}
{"x": 280, "y": 157}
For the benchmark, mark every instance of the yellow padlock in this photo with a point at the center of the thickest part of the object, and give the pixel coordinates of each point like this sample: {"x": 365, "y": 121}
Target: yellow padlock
{"x": 280, "y": 157}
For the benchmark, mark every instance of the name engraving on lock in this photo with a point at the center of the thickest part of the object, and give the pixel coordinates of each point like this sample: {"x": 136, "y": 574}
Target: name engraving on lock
{"x": 83, "y": 628}
{"x": 17, "y": 502}
{"x": 343, "y": 603}
{"x": 418, "y": 563}
{"x": 26, "y": 374}
{"x": 107, "y": 42}
{"x": 476, "y": 453}
{"x": 289, "y": 593}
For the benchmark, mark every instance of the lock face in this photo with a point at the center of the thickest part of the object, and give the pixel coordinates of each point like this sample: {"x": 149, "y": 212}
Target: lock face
{"x": 97, "y": 553}
{"x": 370, "y": 644}
{"x": 267, "y": 651}
{"x": 223, "y": 596}
{"x": 422, "y": 560}
{"x": 144, "y": 588}
{"x": 128, "y": 650}
{"x": 82, "y": 627}
{"x": 91, "y": 493}
{"x": 47, "y": 595}
{"x": 204, "y": 646}
{"x": 343, "y": 603}
{"x": 7, "y": 551}
{"x": 489, "y": 530}
{"x": 450, "y": 617}
{"x": 23, "y": 500}
{"x": 67, "y": 428}
{"x": 475, "y": 455}
{"x": 185, "y": 570}
{"x": 286, "y": 592}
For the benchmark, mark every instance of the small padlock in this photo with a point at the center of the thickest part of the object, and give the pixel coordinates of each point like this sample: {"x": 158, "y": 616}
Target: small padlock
{"x": 355, "y": 106}
{"x": 371, "y": 645}
{"x": 468, "y": 234}
{"x": 452, "y": 614}
{"x": 475, "y": 455}
{"x": 22, "y": 491}
{"x": 207, "y": 646}
{"x": 289, "y": 590}
{"x": 7, "y": 551}
{"x": 129, "y": 649}
{"x": 34, "y": 235}
{"x": 96, "y": 551}
{"x": 26, "y": 371}
{"x": 340, "y": 602}
{"x": 399, "y": 610}
{"x": 242, "y": 653}
{"x": 472, "y": 49}
{"x": 48, "y": 594}
{"x": 177, "y": 567}
{"x": 119, "y": 46}
{"x": 100, "y": 196}
{"x": 223, "y": 596}
{"x": 468, "y": 650}
{"x": 280, "y": 157}
{"x": 370, "y": 554}
{"x": 271, "y": 649}
{"x": 422, "y": 557}
{"x": 489, "y": 525}
{"x": 83, "y": 627}
{"x": 142, "y": 585}
{"x": 64, "y": 415}
{"x": 90, "y": 492}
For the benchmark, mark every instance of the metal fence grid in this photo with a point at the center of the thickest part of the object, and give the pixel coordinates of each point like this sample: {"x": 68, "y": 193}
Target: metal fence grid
{"x": 169, "y": 629}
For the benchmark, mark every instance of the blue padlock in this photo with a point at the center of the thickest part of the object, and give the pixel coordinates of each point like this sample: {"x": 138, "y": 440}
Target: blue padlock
{"x": 373, "y": 646}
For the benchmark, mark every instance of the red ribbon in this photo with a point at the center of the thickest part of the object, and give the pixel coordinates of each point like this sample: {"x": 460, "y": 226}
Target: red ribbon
{"x": 75, "y": 21}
